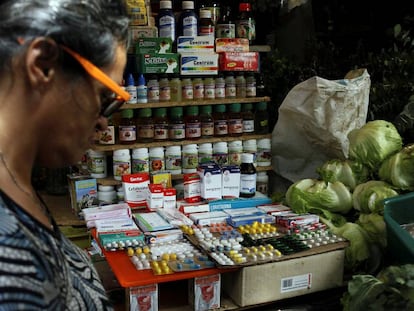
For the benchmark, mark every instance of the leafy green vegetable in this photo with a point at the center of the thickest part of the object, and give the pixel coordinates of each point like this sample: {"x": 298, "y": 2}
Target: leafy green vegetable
{"x": 375, "y": 227}
{"x": 369, "y": 197}
{"x": 373, "y": 143}
{"x": 350, "y": 173}
{"x": 392, "y": 289}
{"x": 398, "y": 169}
{"x": 308, "y": 194}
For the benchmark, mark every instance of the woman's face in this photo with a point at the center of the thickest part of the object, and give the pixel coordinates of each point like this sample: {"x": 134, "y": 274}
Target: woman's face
{"x": 73, "y": 115}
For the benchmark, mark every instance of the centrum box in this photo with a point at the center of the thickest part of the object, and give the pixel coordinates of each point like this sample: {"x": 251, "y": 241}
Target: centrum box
{"x": 196, "y": 44}
{"x": 157, "y": 63}
{"x": 199, "y": 64}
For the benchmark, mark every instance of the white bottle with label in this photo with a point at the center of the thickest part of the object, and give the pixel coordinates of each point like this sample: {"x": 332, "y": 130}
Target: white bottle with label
{"x": 264, "y": 156}
{"x": 262, "y": 183}
{"x": 190, "y": 158}
{"x": 156, "y": 159}
{"x": 140, "y": 160}
{"x": 97, "y": 164}
{"x": 173, "y": 160}
{"x": 121, "y": 163}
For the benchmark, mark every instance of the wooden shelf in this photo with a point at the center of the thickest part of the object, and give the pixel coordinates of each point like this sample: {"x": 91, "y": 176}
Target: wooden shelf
{"x": 197, "y": 102}
{"x": 110, "y": 181}
{"x": 179, "y": 142}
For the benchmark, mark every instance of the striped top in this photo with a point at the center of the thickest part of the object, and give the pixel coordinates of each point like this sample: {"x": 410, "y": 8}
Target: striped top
{"x": 41, "y": 269}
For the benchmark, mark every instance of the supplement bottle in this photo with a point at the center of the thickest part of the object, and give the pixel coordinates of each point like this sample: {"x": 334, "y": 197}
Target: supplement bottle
{"x": 235, "y": 151}
{"x": 142, "y": 91}
{"x": 127, "y": 129}
{"x": 140, "y": 160}
{"x": 121, "y": 163}
{"x": 175, "y": 88}
{"x": 97, "y": 164}
{"x": 160, "y": 124}
{"x": 261, "y": 124}
{"x": 190, "y": 158}
{"x": 198, "y": 88}
{"x": 187, "y": 89}
{"x": 214, "y": 7}
{"x": 192, "y": 123}
{"x": 145, "y": 125}
{"x": 225, "y": 26}
{"x": 165, "y": 90}
{"x": 188, "y": 20}
{"x": 221, "y": 153}
{"x": 248, "y": 118}
{"x": 260, "y": 86}
{"x": 156, "y": 159}
{"x": 205, "y": 153}
{"x": 106, "y": 195}
{"x": 220, "y": 87}
{"x": 262, "y": 183}
{"x": 206, "y": 26}
{"x": 250, "y": 146}
{"x": 220, "y": 121}
{"x": 241, "y": 87}
{"x": 247, "y": 176}
{"x": 245, "y": 24}
{"x": 173, "y": 161}
{"x": 230, "y": 85}
{"x": 153, "y": 89}
{"x": 234, "y": 120}
{"x": 250, "y": 85}
{"x": 207, "y": 122}
{"x": 209, "y": 88}
{"x": 166, "y": 20}
{"x": 176, "y": 127}
{"x": 264, "y": 155}
{"x": 131, "y": 89}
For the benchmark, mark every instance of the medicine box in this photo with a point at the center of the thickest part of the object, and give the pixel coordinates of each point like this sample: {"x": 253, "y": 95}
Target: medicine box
{"x": 157, "y": 45}
{"x": 196, "y": 44}
{"x": 230, "y": 176}
{"x": 83, "y": 192}
{"x": 285, "y": 279}
{"x": 143, "y": 298}
{"x": 136, "y": 32}
{"x": 199, "y": 64}
{"x": 210, "y": 180}
{"x": 239, "y": 61}
{"x": 157, "y": 63}
{"x": 204, "y": 292}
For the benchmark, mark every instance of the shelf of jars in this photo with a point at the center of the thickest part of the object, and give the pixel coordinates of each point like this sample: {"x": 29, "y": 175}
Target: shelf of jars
{"x": 167, "y": 143}
{"x": 110, "y": 181}
{"x": 198, "y": 102}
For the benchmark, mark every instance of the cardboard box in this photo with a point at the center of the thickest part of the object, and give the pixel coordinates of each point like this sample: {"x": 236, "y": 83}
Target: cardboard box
{"x": 284, "y": 279}
{"x": 153, "y": 45}
{"x": 143, "y": 298}
{"x": 210, "y": 180}
{"x": 83, "y": 192}
{"x": 199, "y": 64}
{"x": 158, "y": 63}
{"x": 197, "y": 44}
{"x": 239, "y": 61}
{"x": 136, "y": 32}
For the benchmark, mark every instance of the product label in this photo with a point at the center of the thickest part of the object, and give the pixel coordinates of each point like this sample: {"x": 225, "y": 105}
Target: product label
{"x": 220, "y": 127}
{"x": 235, "y": 157}
{"x": 173, "y": 163}
{"x": 156, "y": 164}
{"x": 190, "y": 26}
{"x": 121, "y": 168}
{"x": 248, "y": 183}
{"x": 231, "y": 90}
{"x": 187, "y": 92}
{"x": 248, "y": 126}
{"x": 140, "y": 165}
{"x": 221, "y": 158}
{"x": 198, "y": 90}
{"x": 107, "y": 137}
{"x": 165, "y": 93}
{"x": 127, "y": 133}
{"x": 209, "y": 91}
{"x": 146, "y": 131}
{"x": 193, "y": 130}
{"x": 225, "y": 31}
{"x": 190, "y": 160}
{"x": 235, "y": 126}
{"x": 296, "y": 282}
{"x": 220, "y": 90}
{"x": 207, "y": 129}
{"x": 264, "y": 157}
{"x": 160, "y": 131}
{"x": 166, "y": 27}
{"x": 153, "y": 93}
{"x": 246, "y": 29}
{"x": 176, "y": 131}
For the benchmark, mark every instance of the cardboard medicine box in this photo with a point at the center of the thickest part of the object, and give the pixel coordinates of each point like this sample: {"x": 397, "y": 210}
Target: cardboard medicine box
{"x": 230, "y": 181}
{"x": 143, "y": 298}
{"x": 196, "y": 44}
{"x": 83, "y": 192}
{"x": 204, "y": 292}
{"x": 157, "y": 63}
{"x": 239, "y": 61}
{"x": 157, "y": 45}
{"x": 210, "y": 180}
{"x": 199, "y": 64}
{"x": 285, "y": 279}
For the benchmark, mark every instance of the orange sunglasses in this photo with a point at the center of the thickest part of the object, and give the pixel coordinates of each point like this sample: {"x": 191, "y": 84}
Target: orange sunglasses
{"x": 119, "y": 97}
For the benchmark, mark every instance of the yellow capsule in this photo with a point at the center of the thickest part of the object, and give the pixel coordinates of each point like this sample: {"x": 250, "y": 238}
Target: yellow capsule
{"x": 130, "y": 251}
{"x": 173, "y": 256}
{"x": 165, "y": 256}
{"x": 157, "y": 270}
{"x": 254, "y": 249}
{"x": 269, "y": 247}
{"x": 146, "y": 250}
{"x": 138, "y": 251}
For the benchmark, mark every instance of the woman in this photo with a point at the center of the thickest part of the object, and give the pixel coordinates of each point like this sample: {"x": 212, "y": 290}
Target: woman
{"x": 52, "y": 100}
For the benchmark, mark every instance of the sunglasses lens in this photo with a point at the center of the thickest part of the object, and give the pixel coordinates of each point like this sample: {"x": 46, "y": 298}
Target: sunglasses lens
{"x": 111, "y": 108}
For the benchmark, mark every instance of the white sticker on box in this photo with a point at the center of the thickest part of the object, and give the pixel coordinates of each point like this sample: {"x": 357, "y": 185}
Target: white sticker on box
{"x": 296, "y": 282}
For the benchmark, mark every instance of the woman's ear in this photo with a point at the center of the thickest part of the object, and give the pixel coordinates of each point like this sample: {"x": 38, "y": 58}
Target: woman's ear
{"x": 41, "y": 60}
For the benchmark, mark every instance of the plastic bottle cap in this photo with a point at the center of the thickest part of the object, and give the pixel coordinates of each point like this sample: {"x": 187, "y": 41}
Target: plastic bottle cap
{"x": 176, "y": 112}
{"x": 165, "y": 4}
{"x": 141, "y": 80}
{"x": 205, "y": 13}
{"x": 160, "y": 112}
{"x": 173, "y": 149}
{"x": 105, "y": 188}
{"x": 130, "y": 80}
{"x": 192, "y": 110}
{"x": 261, "y": 106}
{"x": 145, "y": 113}
{"x": 206, "y": 109}
{"x": 247, "y": 158}
{"x": 190, "y": 147}
{"x": 140, "y": 151}
{"x": 156, "y": 151}
{"x": 220, "y": 108}
{"x": 263, "y": 143}
{"x": 235, "y": 107}
{"x": 127, "y": 113}
{"x": 121, "y": 153}
{"x": 247, "y": 107}
{"x": 235, "y": 144}
{"x": 205, "y": 146}
{"x": 188, "y": 5}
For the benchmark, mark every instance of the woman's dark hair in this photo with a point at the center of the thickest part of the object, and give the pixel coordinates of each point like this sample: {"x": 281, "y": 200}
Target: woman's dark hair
{"x": 89, "y": 27}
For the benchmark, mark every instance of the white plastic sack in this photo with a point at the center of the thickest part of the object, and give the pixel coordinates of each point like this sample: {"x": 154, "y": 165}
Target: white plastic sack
{"x": 314, "y": 121}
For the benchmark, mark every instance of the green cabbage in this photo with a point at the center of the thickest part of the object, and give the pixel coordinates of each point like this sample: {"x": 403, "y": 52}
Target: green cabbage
{"x": 373, "y": 143}
{"x": 368, "y": 197}
{"x": 375, "y": 227}
{"x": 308, "y": 195}
{"x": 398, "y": 169}
{"x": 350, "y": 173}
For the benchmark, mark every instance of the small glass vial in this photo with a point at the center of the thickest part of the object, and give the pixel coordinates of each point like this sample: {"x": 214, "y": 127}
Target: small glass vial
{"x": 206, "y": 25}
{"x": 248, "y": 176}
{"x": 187, "y": 89}
{"x": 220, "y": 87}
{"x": 198, "y": 89}
{"x": 220, "y": 121}
{"x": 234, "y": 120}
{"x": 230, "y": 85}
{"x": 240, "y": 85}
{"x": 209, "y": 88}
{"x": 176, "y": 126}
{"x": 192, "y": 123}
{"x": 175, "y": 88}
{"x": 153, "y": 89}
{"x": 160, "y": 124}
{"x": 248, "y": 118}
{"x": 145, "y": 125}
{"x": 207, "y": 122}
{"x": 127, "y": 130}
{"x": 165, "y": 90}
{"x": 250, "y": 85}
